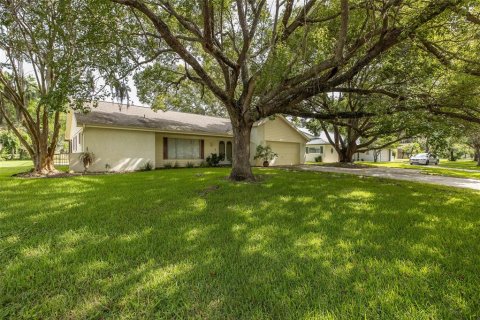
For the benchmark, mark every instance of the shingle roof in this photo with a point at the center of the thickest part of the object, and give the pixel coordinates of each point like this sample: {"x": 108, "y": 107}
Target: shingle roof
{"x": 321, "y": 138}
{"x": 117, "y": 115}
{"x": 317, "y": 141}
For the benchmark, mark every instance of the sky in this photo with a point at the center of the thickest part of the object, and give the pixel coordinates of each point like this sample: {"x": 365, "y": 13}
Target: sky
{"x": 29, "y": 72}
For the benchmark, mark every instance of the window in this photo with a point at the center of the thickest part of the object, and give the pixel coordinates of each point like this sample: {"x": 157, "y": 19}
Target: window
{"x": 183, "y": 148}
{"x": 315, "y": 149}
{"x": 221, "y": 148}
{"x": 74, "y": 143}
{"x": 229, "y": 151}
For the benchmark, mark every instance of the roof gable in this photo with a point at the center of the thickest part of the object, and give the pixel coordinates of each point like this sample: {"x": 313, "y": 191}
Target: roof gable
{"x": 288, "y": 123}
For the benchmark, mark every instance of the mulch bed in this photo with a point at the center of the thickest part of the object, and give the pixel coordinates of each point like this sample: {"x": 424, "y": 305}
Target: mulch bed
{"x": 32, "y": 175}
{"x": 60, "y": 174}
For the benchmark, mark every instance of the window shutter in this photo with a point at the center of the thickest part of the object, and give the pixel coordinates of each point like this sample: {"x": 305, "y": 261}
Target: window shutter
{"x": 202, "y": 149}
{"x": 165, "y": 148}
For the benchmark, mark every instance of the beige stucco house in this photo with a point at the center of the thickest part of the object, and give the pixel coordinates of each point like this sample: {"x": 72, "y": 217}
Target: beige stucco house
{"x": 125, "y": 138}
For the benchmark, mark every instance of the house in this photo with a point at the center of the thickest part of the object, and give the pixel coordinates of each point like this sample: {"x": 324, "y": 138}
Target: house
{"x": 126, "y": 138}
{"x": 321, "y": 147}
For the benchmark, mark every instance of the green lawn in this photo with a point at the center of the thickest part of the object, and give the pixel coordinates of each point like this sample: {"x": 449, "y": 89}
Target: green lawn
{"x": 446, "y": 168}
{"x": 186, "y": 243}
{"x": 460, "y": 164}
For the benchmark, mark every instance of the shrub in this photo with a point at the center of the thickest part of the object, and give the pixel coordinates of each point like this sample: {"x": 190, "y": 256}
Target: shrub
{"x": 265, "y": 153}
{"x": 318, "y": 159}
{"x": 87, "y": 159}
{"x": 189, "y": 165}
{"x": 213, "y": 159}
{"x": 167, "y": 165}
{"x": 175, "y": 165}
{"x": 147, "y": 166}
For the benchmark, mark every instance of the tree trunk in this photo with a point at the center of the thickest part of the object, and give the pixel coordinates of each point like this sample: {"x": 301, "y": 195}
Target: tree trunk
{"x": 346, "y": 155}
{"x": 241, "y": 169}
{"x": 478, "y": 157}
{"x": 452, "y": 157}
{"x": 43, "y": 161}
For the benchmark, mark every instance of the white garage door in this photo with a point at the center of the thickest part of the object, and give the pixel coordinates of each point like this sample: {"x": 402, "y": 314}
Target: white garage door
{"x": 288, "y": 152}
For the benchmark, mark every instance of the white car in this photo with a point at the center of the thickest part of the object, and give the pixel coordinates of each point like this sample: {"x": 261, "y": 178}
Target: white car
{"x": 424, "y": 158}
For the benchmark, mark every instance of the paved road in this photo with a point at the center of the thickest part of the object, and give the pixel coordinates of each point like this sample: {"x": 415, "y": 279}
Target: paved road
{"x": 399, "y": 174}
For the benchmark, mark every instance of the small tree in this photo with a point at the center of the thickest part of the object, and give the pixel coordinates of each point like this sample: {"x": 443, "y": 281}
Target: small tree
{"x": 266, "y": 154}
{"x": 87, "y": 159}
{"x": 49, "y": 60}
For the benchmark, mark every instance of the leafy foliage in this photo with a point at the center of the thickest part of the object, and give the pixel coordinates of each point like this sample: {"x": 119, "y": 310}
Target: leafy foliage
{"x": 213, "y": 160}
{"x": 265, "y": 153}
{"x": 87, "y": 159}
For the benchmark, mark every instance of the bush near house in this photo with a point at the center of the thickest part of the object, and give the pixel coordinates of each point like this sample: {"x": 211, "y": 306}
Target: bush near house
{"x": 213, "y": 160}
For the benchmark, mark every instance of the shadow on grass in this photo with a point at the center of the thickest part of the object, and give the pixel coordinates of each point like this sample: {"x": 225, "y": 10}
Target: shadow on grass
{"x": 296, "y": 245}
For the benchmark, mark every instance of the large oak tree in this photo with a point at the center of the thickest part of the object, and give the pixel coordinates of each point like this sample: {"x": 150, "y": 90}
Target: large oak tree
{"x": 261, "y": 58}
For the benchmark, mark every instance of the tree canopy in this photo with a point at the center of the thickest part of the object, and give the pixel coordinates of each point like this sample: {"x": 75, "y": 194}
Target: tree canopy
{"x": 260, "y": 58}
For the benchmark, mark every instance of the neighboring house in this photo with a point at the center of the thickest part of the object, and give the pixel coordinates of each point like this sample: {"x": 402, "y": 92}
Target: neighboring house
{"x": 125, "y": 138}
{"x": 320, "y": 146}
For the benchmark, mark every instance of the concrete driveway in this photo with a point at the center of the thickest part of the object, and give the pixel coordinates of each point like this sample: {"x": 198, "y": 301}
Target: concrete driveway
{"x": 399, "y": 174}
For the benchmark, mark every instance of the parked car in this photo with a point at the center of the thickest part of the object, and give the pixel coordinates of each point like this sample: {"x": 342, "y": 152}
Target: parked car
{"x": 424, "y": 158}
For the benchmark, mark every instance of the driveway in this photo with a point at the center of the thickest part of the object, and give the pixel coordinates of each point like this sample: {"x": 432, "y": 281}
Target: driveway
{"x": 399, "y": 174}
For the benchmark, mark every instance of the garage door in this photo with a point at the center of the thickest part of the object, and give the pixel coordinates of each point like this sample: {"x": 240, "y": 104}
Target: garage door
{"x": 288, "y": 152}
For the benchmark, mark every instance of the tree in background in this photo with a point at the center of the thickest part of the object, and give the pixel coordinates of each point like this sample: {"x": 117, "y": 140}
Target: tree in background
{"x": 473, "y": 140}
{"x": 188, "y": 96}
{"x": 9, "y": 144}
{"x": 261, "y": 58}
{"x": 50, "y": 58}
{"x": 382, "y": 122}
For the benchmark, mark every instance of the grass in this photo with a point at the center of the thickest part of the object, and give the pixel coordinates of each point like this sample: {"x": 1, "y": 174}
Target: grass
{"x": 186, "y": 243}
{"x": 460, "y": 164}
{"x": 446, "y": 168}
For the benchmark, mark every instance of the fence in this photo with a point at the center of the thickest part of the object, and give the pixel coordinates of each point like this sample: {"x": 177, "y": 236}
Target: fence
{"x": 61, "y": 159}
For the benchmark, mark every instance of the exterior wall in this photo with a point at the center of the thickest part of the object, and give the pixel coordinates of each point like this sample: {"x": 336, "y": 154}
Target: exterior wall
{"x": 329, "y": 154}
{"x": 384, "y": 156}
{"x": 279, "y": 130}
{"x": 121, "y": 150}
{"x": 211, "y": 145}
{"x": 257, "y": 137}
